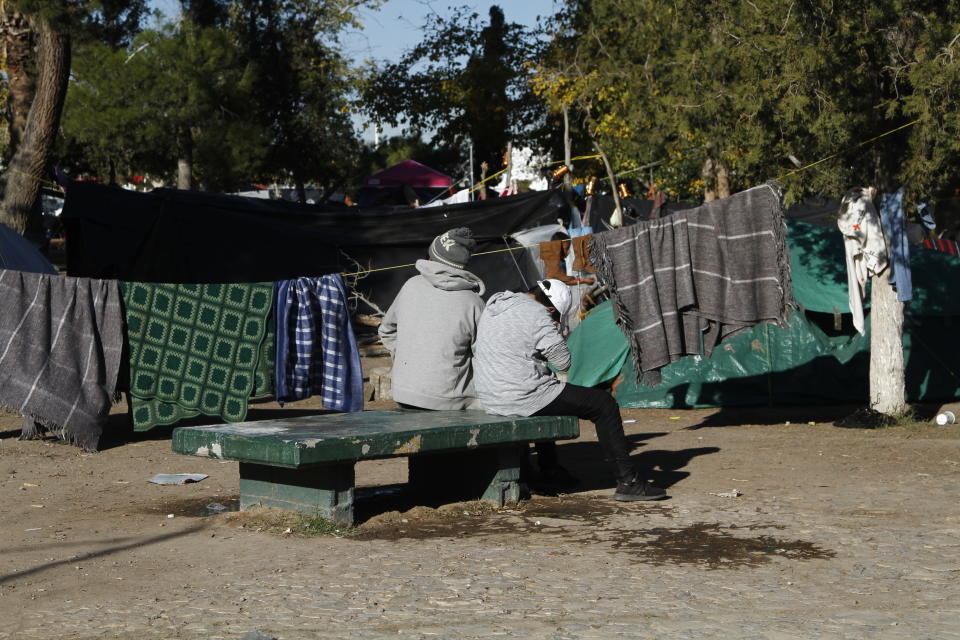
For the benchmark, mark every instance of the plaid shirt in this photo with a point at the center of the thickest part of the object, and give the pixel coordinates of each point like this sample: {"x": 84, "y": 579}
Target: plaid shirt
{"x": 316, "y": 349}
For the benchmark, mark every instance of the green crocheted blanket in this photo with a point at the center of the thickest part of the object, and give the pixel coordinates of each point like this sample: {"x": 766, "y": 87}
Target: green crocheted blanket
{"x": 197, "y": 349}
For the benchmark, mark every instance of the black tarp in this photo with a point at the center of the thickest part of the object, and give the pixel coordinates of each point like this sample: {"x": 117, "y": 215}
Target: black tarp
{"x": 193, "y": 237}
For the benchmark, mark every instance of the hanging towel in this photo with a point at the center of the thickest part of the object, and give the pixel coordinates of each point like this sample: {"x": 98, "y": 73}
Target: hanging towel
{"x": 581, "y": 251}
{"x": 531, "y": 239}
{"x": 316, "y": 349}
{"x": 552, "y": 255}
{"x": 701, "y": 274}
{"x": 864, "y": 246}
{"x": 895, "y": 225}
{"x": 195, "y": 349}
{"x": 60, "y": 345}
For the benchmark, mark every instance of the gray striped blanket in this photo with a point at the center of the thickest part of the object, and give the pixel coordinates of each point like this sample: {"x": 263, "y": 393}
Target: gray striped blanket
{"x": 60, "y": 344}
{"x": 683, "y": 283}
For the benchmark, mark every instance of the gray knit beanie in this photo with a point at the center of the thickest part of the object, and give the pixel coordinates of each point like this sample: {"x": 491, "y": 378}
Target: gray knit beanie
{"x": 453, "y": 248}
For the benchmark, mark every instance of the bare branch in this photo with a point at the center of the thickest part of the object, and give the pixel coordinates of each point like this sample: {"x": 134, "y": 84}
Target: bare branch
{"x": 359, "y": 272}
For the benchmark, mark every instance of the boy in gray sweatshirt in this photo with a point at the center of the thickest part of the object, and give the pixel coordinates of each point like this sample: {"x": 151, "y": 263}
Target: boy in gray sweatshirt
{"x": 518, "y": 336}
{"x": 431, "y": 326}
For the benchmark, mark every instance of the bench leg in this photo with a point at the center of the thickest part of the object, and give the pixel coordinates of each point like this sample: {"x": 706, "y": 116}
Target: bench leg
{"x": 491, "y": 474}
{"x": 325, "y": 490}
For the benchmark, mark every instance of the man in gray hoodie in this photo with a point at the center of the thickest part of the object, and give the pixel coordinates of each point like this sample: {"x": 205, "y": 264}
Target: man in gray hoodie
{"x": 431, "y": 326}
{"x": 518, "y": 336}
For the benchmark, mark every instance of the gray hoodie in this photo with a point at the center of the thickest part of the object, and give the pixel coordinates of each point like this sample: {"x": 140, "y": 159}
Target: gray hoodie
{"x": 515, "y": 340}
{"x": 430, "y": 329}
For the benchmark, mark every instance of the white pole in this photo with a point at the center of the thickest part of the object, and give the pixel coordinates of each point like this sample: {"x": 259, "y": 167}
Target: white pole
{"x": 471, "y": 169}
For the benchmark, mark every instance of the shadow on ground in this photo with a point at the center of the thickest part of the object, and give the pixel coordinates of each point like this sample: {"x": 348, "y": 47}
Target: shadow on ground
{"x": 798, "y": 414}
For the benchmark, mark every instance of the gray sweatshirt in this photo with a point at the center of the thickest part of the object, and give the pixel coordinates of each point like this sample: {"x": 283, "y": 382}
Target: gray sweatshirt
{"x": 515, "y": 340}
{"x": 430, "y": 329}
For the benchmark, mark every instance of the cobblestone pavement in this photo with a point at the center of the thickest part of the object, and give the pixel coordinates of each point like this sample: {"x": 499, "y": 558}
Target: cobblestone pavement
{"x": 837, "y": 535}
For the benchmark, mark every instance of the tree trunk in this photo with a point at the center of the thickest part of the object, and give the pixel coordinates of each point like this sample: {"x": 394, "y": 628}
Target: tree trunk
{"x": 185, "y": 159}
{"x": 18, "y": 55}
{"x": 616, "y": 219}
{"x": 567, "y": 143}
{"x": 723, "y": 180}
{"x": 887, "y": 382}
{"x": 709, "y": 180}
{"x": 301, "y": 190}
{"x": 21, "y": 198}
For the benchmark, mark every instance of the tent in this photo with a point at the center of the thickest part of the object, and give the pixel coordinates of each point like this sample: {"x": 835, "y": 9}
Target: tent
{"x": 409, "y": 172}
{"x": 404, "y": 184}
{"x": 18, "y": 254}
{"x": 192, "y": 237}
{"x": 814, "y": 360}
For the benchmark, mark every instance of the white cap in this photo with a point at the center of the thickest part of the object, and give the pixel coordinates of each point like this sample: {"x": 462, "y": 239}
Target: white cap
{"x": 559, "y": 295}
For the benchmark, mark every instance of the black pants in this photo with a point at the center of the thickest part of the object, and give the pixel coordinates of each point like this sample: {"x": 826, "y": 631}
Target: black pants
{"x": 601, "y": 409}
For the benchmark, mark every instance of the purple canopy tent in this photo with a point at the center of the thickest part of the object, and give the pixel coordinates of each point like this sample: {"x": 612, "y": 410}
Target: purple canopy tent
{"x": 404, "y": 184}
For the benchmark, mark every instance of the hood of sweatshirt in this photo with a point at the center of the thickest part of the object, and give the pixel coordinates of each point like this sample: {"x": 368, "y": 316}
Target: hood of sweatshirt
{"x": 506, "y": 300}
{"x": 448, "y": 278}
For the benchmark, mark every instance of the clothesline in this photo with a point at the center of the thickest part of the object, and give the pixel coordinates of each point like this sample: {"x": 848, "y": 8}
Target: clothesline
{"x": 479, "y": 253}
{"x": 789, "y": 173}
{"x": 542, "y": 166}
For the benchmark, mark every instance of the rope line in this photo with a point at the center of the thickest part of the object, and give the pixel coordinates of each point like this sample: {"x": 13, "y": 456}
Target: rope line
{"x": 856, "y": 146}
{"x": 541, "y": 166}
{"x": 668, "y": 160}
{"x": 40, "y": 180}
{"x": 480, "y": 253}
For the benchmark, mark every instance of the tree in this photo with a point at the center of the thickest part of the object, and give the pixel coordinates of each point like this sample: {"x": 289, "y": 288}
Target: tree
{"x": 466, "y": 82}
{"x": 177, "y": 101}
{"x": 399, "y": 148}
{"x": 51, "y": 22}
{"x": 751, "y": 85}
{"x": 236, "y": 91}
{"x": 301, "y": 85}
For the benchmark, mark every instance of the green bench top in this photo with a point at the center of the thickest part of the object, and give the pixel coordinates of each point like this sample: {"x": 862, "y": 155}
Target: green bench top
{"x": 322, "y": 439}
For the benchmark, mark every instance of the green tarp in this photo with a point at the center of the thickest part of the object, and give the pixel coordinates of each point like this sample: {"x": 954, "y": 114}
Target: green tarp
{"x": 598, "y": 349}
{"x": 799, "y": 364}
{"x": 819, "y": 273}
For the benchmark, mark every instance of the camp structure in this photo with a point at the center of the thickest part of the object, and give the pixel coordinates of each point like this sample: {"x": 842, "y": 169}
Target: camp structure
{"x": 175, "y": 236}
{"x": 405, "y": 184}
{"x": 817, "y": 359}
{"x": 18, "y": 254}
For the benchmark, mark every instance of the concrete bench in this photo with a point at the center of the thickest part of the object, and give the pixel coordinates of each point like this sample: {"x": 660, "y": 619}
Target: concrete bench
{"x": 307, "y": 463}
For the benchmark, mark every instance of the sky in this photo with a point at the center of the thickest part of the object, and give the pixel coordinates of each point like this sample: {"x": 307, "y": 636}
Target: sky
{"x": 396, "y": 26}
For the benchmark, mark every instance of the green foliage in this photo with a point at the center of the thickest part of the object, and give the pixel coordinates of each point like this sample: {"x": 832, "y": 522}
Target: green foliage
{"x": 125, "y": 108}
{"x": 753, "y": 83}
{"x": 465, "y": 81}
{"x": 252, "y": 90}
{"x": 112, "y": 22}
{"x": 301, "y": 83}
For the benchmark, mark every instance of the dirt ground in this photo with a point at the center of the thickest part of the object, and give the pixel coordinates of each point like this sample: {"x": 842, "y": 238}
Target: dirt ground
{"x": 88, "y": 529}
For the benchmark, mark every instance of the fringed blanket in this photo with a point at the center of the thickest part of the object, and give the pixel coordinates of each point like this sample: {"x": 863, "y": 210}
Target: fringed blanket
{"x": 60, "y": 344}
{"x": 683, "y": 283}
{"x": 316, "y": 349}
{"x": 195, "y": 348}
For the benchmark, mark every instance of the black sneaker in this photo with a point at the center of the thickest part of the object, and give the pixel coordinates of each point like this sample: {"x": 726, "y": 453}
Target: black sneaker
{"x": 636, "y": 488}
